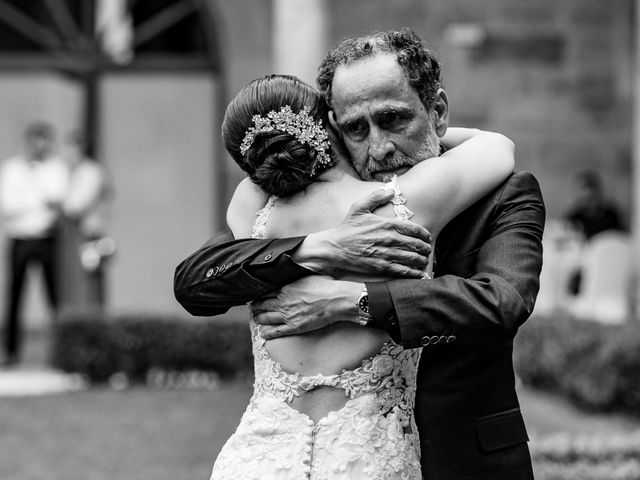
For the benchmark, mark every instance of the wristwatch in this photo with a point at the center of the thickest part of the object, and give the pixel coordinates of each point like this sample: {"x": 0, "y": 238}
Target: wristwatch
{"x": 364, "y": 317}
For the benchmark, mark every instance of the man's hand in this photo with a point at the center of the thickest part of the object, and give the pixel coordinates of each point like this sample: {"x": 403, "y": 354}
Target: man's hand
{"x": 308, "y": 304}
{"x": 368, "y": 244}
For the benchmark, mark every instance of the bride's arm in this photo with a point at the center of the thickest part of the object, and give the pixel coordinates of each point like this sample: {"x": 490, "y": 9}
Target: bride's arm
{"x": 440, "y": 188}
{"x": 247, "y": 199}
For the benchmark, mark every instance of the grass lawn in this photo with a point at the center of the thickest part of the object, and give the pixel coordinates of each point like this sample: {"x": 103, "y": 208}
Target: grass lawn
{"x": 140, "y": 434}
{"x": 107, "y": 435}
{"x": 548, "y": 414}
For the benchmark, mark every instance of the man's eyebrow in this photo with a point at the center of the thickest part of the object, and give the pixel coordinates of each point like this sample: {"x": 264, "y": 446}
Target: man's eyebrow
{"x": 401, "y": 109}
{"x": 349, "y": 121}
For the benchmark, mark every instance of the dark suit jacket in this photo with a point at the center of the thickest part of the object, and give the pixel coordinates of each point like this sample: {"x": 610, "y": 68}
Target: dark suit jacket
{"x": 488, "y": 265}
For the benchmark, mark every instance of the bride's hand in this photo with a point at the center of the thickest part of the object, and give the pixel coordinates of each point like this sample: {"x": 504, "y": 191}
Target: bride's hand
{"x": 306, "y": 305}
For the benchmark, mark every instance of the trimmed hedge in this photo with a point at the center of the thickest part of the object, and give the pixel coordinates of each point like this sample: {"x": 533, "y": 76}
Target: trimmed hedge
{"x": 100, "y": 346}
{"x": 595, "y": 365}
{"x": 587, "y": 457}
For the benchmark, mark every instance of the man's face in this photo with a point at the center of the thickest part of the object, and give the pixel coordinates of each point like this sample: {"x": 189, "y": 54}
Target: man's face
{"x": 38, "y": 147}
{"x": 384, "y": 125}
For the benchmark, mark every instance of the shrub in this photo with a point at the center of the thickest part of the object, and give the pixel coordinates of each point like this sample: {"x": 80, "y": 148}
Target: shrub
{"x": 100, "y": 346}
{"x": 587, "y": 457}
{"x": 596, "y": 365}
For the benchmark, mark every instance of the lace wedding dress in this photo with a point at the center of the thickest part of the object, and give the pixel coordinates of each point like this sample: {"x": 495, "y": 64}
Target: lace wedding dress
{"x": 373, "y": 436}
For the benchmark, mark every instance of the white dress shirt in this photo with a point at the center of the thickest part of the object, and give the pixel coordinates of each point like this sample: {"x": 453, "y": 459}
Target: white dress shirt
{"x": 89, "y": 196}
{"x": 29, "y": 192}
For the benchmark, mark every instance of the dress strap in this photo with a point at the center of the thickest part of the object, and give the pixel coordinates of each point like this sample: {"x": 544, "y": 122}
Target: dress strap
{"x": 399, "y": 207}
{"x": 398, "y": 200}
{"x": 262, "y": 215}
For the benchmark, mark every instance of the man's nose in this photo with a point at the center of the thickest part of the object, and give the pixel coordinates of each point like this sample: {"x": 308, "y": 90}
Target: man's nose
{"x": 380, "y": 146}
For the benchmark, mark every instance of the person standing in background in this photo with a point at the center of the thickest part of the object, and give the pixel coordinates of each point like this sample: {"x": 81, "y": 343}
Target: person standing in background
{"x": 87, "y": 208}
{"x": 33, "y": 185}
{"x": 592, "y": 212}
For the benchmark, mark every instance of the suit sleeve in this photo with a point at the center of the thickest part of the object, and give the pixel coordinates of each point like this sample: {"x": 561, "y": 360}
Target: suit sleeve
{"x": 226, "y": 272}
{"x": 498, "y": 297}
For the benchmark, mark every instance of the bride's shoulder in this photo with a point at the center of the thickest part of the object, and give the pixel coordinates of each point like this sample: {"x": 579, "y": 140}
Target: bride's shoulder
{"x": 247, "y": 199}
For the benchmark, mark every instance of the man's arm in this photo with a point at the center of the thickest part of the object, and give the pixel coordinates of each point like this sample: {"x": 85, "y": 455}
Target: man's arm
{"x": 487, "y": 307}
{"x": 227, "y": 272}
{"x": 492, "y": 303}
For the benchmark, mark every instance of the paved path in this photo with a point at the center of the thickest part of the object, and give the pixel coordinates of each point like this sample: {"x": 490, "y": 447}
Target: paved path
{"x": 29, "y": 380}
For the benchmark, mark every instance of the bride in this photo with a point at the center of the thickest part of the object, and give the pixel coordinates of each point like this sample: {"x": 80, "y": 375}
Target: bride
{"x": 336, "y": 403}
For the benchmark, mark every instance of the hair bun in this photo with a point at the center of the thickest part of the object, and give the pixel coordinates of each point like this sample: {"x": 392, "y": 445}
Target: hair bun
{"x": 281, "y": 164}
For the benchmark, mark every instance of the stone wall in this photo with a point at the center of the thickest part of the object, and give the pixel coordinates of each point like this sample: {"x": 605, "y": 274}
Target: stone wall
{"x": 554, "y": 75}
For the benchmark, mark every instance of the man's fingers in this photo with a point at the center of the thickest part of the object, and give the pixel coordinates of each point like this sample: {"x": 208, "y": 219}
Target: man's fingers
{"x": 264, "y": 305}
{"x": 401, "y": 271}
{"x": 269, "y": 318}
{"x": 412, "y": 229}
{"x": 271, "y": 332}
{"x": 372, "y": 201}
{"x": 395, "y": 242}
{"x": 403, "y": 268}
{"x": 390, "y": 255}
{"x": 408, "y": 259}
{"x": 412, "y": 245}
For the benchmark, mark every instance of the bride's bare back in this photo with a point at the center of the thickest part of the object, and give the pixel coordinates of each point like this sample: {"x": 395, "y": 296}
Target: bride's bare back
{"x": 342, "y": 345}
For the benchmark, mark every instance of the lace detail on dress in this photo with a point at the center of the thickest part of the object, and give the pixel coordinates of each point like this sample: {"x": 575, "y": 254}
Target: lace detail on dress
{"x": 373, "y": 436}
{"x": 387, "y": 374}
{"x": 398, "y": 200}
{"x": 262, "y": 216}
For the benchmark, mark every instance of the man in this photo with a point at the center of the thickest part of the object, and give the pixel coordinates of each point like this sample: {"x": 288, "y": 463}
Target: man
{"x": 488, "y": 263}
{"x": 592, "y": 213}
{"x": 32, "y": 188}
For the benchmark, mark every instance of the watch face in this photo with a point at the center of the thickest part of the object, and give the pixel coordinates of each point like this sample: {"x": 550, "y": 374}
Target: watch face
{"x": 363, "y": 304}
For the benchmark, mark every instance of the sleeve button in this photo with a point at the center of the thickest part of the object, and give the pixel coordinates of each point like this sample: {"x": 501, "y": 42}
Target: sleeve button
{"x": 451, "y": 339}
{"x": 425, "y": 341}
{"x": 209, "y": 273}
{"x": 268, "y": 257}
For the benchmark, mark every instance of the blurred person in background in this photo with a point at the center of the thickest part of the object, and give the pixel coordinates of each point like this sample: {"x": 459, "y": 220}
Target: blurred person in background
{"x": 592, "y": 212}
{"x": 33, "y": 185}
{"x": 87, "y": 206}
{"x": 488, "y": 262}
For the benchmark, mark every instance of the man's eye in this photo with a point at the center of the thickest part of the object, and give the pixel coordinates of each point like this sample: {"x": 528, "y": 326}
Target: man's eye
{"x": 355, "y": 129}
{"x": 391, "y": 119}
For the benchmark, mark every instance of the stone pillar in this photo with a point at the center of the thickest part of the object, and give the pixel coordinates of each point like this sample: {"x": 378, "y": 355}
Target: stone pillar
{"x": 300, "y": 32}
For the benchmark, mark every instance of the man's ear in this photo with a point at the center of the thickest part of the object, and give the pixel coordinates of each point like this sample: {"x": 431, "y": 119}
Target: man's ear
{"x": 441, "y": 107}
{"x": 334, "y": 124}
{"x": 337, "y": 140}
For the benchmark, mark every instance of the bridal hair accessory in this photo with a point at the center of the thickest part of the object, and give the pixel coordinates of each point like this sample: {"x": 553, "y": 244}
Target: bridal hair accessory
{"x": 300, "y": 125}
